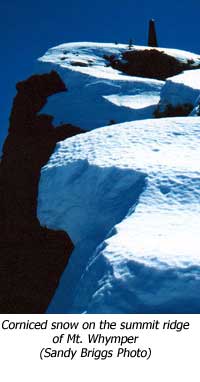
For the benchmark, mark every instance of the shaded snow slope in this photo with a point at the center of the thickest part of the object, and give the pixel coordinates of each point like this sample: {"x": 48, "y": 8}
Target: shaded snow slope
{"x": 181, "y": 89}
{"x": 87, "y": 103}
{"x": 196, "y": 110}
{"x": 138, "y": 184}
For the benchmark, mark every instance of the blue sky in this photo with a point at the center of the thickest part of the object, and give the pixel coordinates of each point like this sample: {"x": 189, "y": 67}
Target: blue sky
{"x": 28, "y": 28}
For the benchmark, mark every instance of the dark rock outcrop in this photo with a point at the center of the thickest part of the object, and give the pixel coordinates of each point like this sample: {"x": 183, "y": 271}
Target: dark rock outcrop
{"x": 32, "y": 258}
{"x": 149, "y": 63}
{"x": 174, "y": 111}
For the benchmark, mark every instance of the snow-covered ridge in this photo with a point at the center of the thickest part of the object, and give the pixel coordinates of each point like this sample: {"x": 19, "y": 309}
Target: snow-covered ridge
{"x": 145, "y": 176}
{"x": 99, "y": 95}
{"x": 92, "y": 53}
{"x": 127, "y": 194}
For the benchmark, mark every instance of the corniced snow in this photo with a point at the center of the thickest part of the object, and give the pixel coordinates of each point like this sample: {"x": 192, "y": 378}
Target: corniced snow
{"x": 98, "y": 95}
{"x": 181, "y": 89}
{"x": 128, "y": 195}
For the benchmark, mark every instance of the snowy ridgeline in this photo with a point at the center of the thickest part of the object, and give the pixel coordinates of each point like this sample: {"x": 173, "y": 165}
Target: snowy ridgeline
{"x": 99, "y": 95}
{"x": 128, "y": 195}
{"x": 138, "y": 184}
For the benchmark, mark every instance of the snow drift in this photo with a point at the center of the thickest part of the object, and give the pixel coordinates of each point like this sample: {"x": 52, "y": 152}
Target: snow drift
{"x": 181, "y": 89}
{"x": 129, "y": 197}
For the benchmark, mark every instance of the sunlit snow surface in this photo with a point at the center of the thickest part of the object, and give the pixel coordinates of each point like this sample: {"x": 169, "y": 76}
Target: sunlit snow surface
{"x": 137, "y": 184}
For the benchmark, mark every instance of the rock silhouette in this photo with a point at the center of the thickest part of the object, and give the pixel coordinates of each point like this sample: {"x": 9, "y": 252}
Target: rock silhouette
{"x": 32, "y": 258}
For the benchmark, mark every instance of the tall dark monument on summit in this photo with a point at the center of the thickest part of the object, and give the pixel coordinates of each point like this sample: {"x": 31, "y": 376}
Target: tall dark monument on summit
{"x": 152, "y": 39}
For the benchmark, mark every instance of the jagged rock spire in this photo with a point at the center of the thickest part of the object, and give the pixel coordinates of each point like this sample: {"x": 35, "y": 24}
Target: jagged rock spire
{"x": 152, "y": 39}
